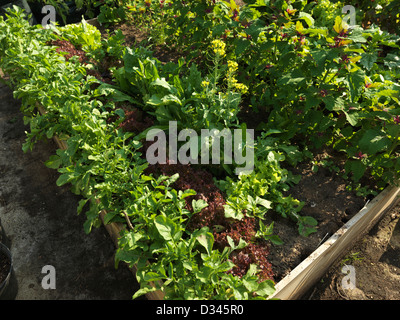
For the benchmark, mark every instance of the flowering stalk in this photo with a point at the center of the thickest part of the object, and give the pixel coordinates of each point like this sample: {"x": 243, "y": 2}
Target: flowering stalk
{"x": 232, "y": 81}
{"x": 219, "y": 50}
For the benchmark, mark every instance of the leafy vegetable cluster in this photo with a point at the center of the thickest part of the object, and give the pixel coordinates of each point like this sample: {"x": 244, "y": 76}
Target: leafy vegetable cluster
{"x": 104, "y": 166}
{"x": 302, "y": 58}
{"x": 315, "y": 80}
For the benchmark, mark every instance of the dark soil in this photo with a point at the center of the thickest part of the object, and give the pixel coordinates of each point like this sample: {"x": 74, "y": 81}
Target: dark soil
{"x": 41, "y": 226}
{"x": 376, "y": 261}
{"x": 327, "y": 201}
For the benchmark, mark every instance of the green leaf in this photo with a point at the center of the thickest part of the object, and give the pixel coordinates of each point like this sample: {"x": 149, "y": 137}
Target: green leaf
{"x": 307, "y": 18}
{"x": 306, "y": 225}
{"x": 255, "y": 29}
{"x": 275, "y": 239}
{"x": 170, "y": 98}
{"x": 162, "y": 83}
{"x": 114, "y": 94}
{"x": 305, "y": 231}
{"x": 290, "y": 79}
{"x": 309, "y": 221}
{"x": 266, "y": 288}
{"x": 241, "y": 46}
{"x": 143, "y": 291}
{"x": 240, "y": 245}
{"x": 109, "y": 216}
{"x": 188, "y": 193}
{"x": 250, "y": 284}
{"x": 81, "y": 204}
{"x": 155, "y": 100}
{"x": 87, "y": 226}
{"x": 54, "y": 162}
{"x": 352, "y": 118}
{"x": 232, "y": 213}
{"x": 172, "y": 179}
{"x": 65, "y": 178}
{"x": 357, "y": 35}
{"x": 204, "y": 274}
{"x": 393, "y": 130}
{"x": 194, "y": 79}
{"x": 152, "y": 276}
{"x": 374, "y": 141}
{"x": 265, "y": 203}
{"x": 218, "y": 30}
{"x": 368, "y": 59}
{"x": 198, "y": 205}
{"x": 206, "y": 239}
{"x": 357, "y": 168}
{"x": 166, "y": 227}
{"x": 356, "y": 83}
{"x": 392, "y": 61}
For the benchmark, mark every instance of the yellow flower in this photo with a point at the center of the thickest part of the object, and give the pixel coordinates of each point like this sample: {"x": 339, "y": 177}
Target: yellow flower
{"x": 241, "y": 87}
{"x": 205, "y": 84}
{"x": 233, "y": 81}
{"x": 232, "y": 66}
{"x": 218, "y": 47}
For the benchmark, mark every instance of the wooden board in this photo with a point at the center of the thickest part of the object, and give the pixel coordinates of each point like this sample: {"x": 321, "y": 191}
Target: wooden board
{"x": 308, "y": 272}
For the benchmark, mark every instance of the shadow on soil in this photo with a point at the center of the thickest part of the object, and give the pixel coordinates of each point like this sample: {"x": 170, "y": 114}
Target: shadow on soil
{"x": 41, "y": 226}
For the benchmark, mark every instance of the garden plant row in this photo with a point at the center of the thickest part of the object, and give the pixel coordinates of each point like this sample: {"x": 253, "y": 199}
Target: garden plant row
{"x": 199, "y": 231}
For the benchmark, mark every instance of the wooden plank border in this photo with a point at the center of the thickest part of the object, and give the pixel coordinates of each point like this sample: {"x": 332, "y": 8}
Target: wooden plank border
{"x": 308, "y": 272}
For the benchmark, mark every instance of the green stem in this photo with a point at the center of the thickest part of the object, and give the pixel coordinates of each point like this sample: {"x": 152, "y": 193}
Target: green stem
{"x": 216, "y": 71}
{"x": 275, "y": 47}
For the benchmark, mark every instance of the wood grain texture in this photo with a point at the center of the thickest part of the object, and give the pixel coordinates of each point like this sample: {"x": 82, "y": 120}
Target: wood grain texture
{"x": 308, "y": 272}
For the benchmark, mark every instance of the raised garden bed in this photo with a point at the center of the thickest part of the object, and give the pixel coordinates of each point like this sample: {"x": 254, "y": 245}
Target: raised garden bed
{"x": 246, "y": 227}
{"x": 301, "y": 278}
{"x": 306, "y": 274}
